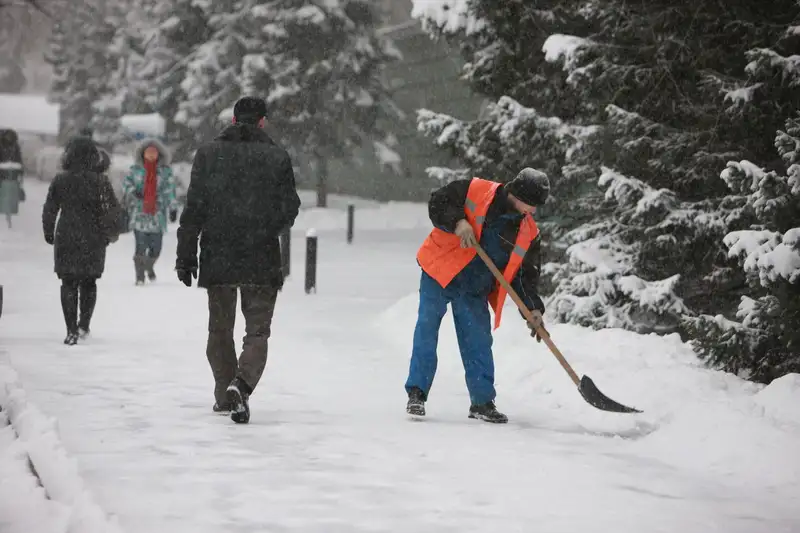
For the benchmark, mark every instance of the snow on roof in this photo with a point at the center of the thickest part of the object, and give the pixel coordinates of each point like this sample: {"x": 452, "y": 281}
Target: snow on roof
{"x": 29, "y": 113}
{"x": 151, "y": 124}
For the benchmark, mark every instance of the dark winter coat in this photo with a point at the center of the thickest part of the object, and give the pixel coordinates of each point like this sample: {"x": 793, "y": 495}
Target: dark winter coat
{"x": 242, "y": 195}
{"x": 11, "y": 192}
{"x": 446, "y": 208}
{"x": 85, "y": 201}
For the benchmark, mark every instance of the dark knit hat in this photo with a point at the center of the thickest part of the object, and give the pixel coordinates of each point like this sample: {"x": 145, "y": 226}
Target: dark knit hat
{"x": 249, "y": 110}
{"x": 531, "y": 186}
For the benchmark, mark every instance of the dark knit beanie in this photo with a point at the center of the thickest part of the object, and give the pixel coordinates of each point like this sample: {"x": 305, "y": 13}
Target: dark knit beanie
{"x": 249, "y": 110}
{"x": 531, "y": 186}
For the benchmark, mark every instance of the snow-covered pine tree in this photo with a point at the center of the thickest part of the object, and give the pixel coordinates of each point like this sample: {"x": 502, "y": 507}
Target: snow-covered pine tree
{"x": 110, "y": 29}
{"x": 13, "y": 23}
{"x": 212, "y": 81}
{"x": 538, "y": 120}
{"x": 319, "y": 63}
{"x": 763, "y": 341}
{"x": 180, "y": 27}
{"x": 661, "y": 70}
{"x": 65, "y": 88}
{"x": 84, "y": 66}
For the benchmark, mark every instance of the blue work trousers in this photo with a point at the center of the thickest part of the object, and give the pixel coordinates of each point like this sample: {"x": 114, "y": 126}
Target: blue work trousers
{"x": 474, "y": 331}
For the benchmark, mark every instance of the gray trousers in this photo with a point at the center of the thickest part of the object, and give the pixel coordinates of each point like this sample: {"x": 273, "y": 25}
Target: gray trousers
{"x": 258, "y": 305}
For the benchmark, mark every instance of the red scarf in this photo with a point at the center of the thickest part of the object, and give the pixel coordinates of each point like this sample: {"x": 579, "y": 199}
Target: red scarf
{"x": 150, "y": 187}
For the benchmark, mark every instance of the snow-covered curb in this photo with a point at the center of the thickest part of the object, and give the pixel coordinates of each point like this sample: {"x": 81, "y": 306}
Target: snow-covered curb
{"x": 63, "y": 504}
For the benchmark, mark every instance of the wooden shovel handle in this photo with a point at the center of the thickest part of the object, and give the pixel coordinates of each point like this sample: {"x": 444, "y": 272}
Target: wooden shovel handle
{"x": 533, "y": 317}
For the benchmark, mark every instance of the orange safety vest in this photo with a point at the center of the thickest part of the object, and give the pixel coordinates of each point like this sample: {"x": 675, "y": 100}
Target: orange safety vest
{"x": 442, "y": 256}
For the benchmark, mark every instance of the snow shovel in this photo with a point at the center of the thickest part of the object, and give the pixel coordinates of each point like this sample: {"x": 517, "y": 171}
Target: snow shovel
{"x": 585, "y": 385}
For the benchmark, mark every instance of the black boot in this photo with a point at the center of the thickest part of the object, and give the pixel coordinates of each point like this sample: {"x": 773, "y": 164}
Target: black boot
{"x": 149, "y": 263}
{"x": 138, "y": 266}
{"x": 87, "y": 297}
{"x": 69, "y": 306}
{"x": 488, "y": 413}
{"x": 416, "y": 402}
{"x": 238, "y": 399}
{"x": 222, "y": 409}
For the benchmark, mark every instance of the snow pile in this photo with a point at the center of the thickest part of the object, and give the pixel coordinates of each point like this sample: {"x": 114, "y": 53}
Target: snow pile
{"x": 781, "y": 399}
{"x": 695, "y": 418}
{"x": 68, "y": 506}
{"x": 451, "y": 16}
{"x": 24, "y": 506}
{"x": 26, "y": 113}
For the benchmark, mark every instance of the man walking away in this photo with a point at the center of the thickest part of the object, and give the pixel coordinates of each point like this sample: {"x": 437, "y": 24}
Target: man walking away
{"x": 242, "y": 195}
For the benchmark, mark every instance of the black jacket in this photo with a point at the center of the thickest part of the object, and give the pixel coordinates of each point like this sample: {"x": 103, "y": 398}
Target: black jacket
{"x": 87, "y": 206}
{"x": 446, "y": 208}
{"x": 242, "y": 195}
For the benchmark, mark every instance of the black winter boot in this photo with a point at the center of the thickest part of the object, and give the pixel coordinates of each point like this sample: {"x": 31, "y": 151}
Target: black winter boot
{"x": 416, "y": 402}
{"x": 69, "y": 307}
{"x": 222, "y": 409}
{"x": 87, "y": 297}
{"x": 238, "y": 399}
{"x": 138, "y": 266}
{"x": 488, "y": 413}
{"x": 149, "y": 263}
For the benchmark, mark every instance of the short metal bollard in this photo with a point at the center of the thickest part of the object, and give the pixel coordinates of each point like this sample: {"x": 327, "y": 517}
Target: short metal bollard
{"x": 286, "y": 251}
{"x": 311, "y": 261}
{"x": 1, "y": 300}
{"x": 351, "y": 210}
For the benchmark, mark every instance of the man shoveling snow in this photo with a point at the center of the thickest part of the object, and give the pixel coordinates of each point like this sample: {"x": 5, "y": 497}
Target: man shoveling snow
{"x": 498, "y": 217}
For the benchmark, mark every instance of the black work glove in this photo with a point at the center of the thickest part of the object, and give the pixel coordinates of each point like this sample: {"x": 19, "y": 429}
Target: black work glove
{"x": 49, "y": 239}
{"x": 186, "y": 275}
{"x": 173, "y": 215}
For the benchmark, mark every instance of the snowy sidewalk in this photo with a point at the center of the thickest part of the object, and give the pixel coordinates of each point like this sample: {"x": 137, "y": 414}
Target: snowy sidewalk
{"x": 330, "y": 449}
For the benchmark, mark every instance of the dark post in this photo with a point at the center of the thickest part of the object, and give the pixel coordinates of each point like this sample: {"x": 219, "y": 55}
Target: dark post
{"x": 286, "y": 251}
{"x": 351, "y": 209}
{"x": 311, "y": 261}
{"x": 1, "y": 300}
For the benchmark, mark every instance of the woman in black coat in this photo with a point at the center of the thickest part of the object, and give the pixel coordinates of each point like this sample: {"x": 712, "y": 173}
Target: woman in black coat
{"x": 84, "y": 198}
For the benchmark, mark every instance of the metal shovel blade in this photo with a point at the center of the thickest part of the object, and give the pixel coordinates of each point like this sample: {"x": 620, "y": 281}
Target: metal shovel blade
{"x": 597, "y": 399}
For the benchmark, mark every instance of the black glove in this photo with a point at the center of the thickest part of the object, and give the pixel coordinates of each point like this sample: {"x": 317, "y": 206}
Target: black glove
{"x": 138, "y": 194}
{"x": 173, "y": 215}
{"x": 49, "y": 239}
{"x": 186, "y": 275}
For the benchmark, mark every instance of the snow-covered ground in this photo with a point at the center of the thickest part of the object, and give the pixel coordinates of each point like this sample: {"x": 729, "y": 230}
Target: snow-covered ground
{"x": 123, "y": 423}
